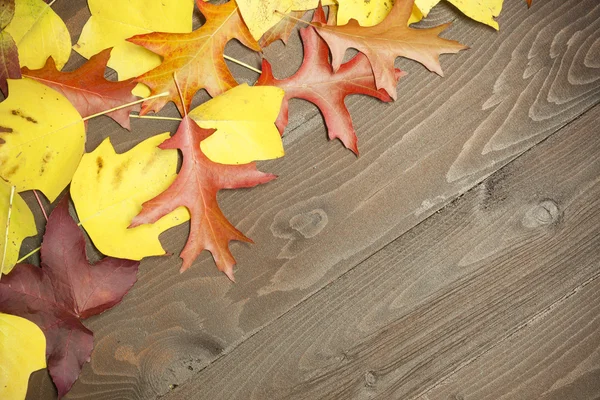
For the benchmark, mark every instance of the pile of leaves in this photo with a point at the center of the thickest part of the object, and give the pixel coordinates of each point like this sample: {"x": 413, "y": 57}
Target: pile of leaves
{"x": 125, "y": 201}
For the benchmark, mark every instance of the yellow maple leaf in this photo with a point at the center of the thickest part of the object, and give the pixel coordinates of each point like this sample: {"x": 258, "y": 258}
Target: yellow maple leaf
{"x": 369, "y": 13}
{"x": 44, "y": 138}
{"x": 483, "y": 11}
{"x": 39, "y": 33}
{"x": 113, "y": 21}
{"x": 244, "y": 118}
{"x": 22, "y": 351}
{"x": 22, "y": 225}
{"x": 108, "y": 190}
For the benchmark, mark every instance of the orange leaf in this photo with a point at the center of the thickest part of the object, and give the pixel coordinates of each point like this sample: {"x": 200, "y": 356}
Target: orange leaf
{"x": 196, "y": 58}
{"x": 196, "y": 188}
{"x": 87, "y": 89}
{"x": 383, "y": 43}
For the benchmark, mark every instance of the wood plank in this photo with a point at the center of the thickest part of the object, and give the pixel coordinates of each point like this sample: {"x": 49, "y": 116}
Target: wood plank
{"x": 500, "y": 257}
{"x": 329, "y": 211}
{"x": 554, "y": 357}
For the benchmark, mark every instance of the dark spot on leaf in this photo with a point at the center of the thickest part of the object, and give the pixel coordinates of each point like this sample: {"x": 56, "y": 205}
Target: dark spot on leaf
{"x": 100, "y": 164}
{"x": 5, "y": 130}
{"x": 119, "y": 173}
{"x": 25, "y": 117}
{"x": 12, "y": 171}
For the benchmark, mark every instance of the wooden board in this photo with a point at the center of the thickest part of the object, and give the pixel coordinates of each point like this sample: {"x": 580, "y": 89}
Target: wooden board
{"x": 556, "y": 356}
{"x": 505, "y": 256}
{"x": 328, "y": 211}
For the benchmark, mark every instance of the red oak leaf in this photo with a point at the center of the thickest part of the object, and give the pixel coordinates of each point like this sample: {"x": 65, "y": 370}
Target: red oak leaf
{"x": 390, "y": 39}
{"x": 196, "y": 58}
{"x": 316, "y": 82}
{"x": 196, "y": 188}
{"x": 9, "y": 55}
{"x": 65, "y": 290}
{"x": 87, "y": 89}
{"x": 282, "y": 31}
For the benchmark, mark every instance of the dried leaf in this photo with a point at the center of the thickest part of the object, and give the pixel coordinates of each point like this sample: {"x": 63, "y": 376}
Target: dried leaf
{"x": 316, "y": 82}
{"x": 43, "y": 138}
{"x": 196, "y": 58}
{"x": 196, "y": 188}
{"x": 87, "y": 89}
{"x": 65, "y": 290}
{"x": 383, "y": 43}
{"x": 22, "y": 351}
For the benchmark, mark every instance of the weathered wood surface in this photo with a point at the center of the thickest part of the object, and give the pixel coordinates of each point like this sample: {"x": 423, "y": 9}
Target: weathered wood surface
{"x": 329, "y": 211}
{"x": 557, "y": 356}
{"x": 494, "y": 261}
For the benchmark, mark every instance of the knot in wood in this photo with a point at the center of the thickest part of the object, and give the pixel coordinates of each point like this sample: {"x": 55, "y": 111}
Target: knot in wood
{"x": 542, "y": 214}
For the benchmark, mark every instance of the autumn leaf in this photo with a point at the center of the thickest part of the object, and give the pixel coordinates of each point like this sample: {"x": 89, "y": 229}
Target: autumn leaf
{"x": 244, "y": 119}
{"x": 282, "y": 30}
{"x": 22, "y": 225}
{"x": 9, "y": 55}
{"x": 262, "y": 15}
{"x": 87, "y": 89}
{"x": 22, "y": 351}
{"x": 108, "y": 190}
{"x": 316, "y": 82}
{"x": 196, "y": 188}
{"x": 39, "y": 33}
{"x": 369, "y": 13}
{"x": 383, "y": 43}
{"x": 112, "y": 22}
{"x": 481, "y": 11}
{"x": 43, "y": 138}
{"x": 196, "y": 58}
{"x": 65, "y": 290}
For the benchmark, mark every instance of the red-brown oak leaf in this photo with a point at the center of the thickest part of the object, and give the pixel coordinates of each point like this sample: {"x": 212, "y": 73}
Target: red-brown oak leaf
{"x": 196, "y": 58}
{"x": 316, "y": 82}
{"x": 87, "y": 89}
{"x": 390, "y": 39}
{"x": 196, "y": 188}
{"x": 65, "y": 290}
{"x": 9, "y": 55}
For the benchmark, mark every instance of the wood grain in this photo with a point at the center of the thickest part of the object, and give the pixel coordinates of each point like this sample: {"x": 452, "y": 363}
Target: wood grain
{"x": 328, "y": 211}
{"x": 501, "y": 258}
{"x": 556, "y": 356}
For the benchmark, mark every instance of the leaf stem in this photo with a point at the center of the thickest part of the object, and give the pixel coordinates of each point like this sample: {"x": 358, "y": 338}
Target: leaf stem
{"x": 124, "y": 106}
{"x": 26, "y": 256}
{"x": 37, "y": 197}
{"x": 154, "y": 117}
{"x": 10, "y": 203}
{"x": 243, "y": 64}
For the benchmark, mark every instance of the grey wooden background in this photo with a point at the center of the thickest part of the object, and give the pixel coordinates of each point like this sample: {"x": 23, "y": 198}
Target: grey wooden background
{"x": 456, "y": 258}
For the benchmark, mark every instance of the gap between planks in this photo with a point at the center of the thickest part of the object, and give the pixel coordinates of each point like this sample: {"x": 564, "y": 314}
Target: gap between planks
{"x": 234, "y": 346}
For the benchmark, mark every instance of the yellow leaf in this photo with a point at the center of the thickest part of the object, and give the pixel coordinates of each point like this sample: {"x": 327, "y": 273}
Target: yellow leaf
{"x": 108, "y": 190}
{"x": 44, "y": 138}
{"x": 22, "y": 225}
{"x": 39, "y": 33}
{"x": 480, "y": 10}
{"x": 22, "y": 351}
{"x": 244, "y": 118}
{"x": 262, "y": 15}
{"x": 113, "y": 21}
{"x": 367, "y": 13}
